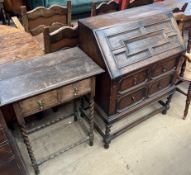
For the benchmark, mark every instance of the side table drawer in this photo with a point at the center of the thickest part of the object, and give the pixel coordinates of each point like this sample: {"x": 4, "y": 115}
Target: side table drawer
{"x": 36, "y": 104}
{"x": 74, "y": 90}
{"x": 52, "y": 98}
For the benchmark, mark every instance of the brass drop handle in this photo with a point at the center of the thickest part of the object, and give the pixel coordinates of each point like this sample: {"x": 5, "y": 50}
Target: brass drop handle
{"x": 76, "y": 90}
{"x": 164, "y": 69}
{"x": 133, "y": 99}
{"x": 40, "y": 104}
{"x": 159, "y": 86}
{"x": 135, "y": 81}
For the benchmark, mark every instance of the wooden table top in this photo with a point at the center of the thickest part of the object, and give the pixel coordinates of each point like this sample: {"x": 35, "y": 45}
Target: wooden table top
{"x": 44, "y": 73}
{"x": 17, "y": 45}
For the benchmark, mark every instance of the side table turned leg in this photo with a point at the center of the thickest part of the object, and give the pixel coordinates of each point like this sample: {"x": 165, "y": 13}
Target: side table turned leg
{"x": 188, "y": 100}
{"x": 167, "y": 105}
{"x": 29, "y": 149}
{"x": 91, "y": 121}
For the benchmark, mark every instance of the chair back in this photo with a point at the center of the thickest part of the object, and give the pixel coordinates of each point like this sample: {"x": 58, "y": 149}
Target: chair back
{"x": 185, "y": 28}
{"x": 55, "y": 17}
{"x": 189, "y": 41}
{"x": 184, "y": 24}
{"x": 65, "y": 37}
{"x": 105, "y": 7}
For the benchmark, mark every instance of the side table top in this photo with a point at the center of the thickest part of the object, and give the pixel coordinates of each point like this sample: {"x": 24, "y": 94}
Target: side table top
{"x": 31, "y": 77}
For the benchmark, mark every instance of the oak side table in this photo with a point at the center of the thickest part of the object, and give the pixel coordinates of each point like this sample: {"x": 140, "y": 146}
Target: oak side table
{"x": 35, "y": 85}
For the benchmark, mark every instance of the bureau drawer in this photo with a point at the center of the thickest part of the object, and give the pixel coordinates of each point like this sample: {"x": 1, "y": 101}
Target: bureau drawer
{"x": 163, "y": 67}
{"x": 36, "y": 104}
{"x": 3, "y": 137}
{"x": 74, "y": 90}
{"x": 160, "y": 84}
{"x": 131, "y": 99}
{"x": 132, "y": 80}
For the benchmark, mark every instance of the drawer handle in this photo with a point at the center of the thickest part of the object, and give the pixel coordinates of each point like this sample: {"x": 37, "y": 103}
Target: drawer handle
{"x": 164, "y": 70}
{"x": 40, "y": 104}
{"x": 135, "y": 81}
{"x": 76, "y": 90}
{"x": 133, "y": 99}
{"x": 159, "y": 86}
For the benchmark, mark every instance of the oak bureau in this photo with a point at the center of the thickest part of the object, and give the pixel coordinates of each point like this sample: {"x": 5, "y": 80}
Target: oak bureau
{"x": 140, "y": 53}
{"x": 44, "y": 82}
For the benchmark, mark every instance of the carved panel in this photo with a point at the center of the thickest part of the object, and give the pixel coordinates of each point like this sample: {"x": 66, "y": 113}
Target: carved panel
{"x": 137, "y": 41}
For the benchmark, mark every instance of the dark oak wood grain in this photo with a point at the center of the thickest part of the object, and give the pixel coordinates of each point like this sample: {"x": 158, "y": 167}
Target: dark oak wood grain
{"x": 45, "y": 82}
{"x": 140, "y": 54}
{"x": 55, "y": 69}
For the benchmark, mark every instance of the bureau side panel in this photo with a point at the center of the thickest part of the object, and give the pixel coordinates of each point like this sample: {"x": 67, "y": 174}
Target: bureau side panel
{"x": 89, "y": 45}
{"x": 103, "y": 83}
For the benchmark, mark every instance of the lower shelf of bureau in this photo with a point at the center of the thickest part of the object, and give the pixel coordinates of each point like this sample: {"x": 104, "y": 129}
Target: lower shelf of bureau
{"x": 109, "y": 121}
